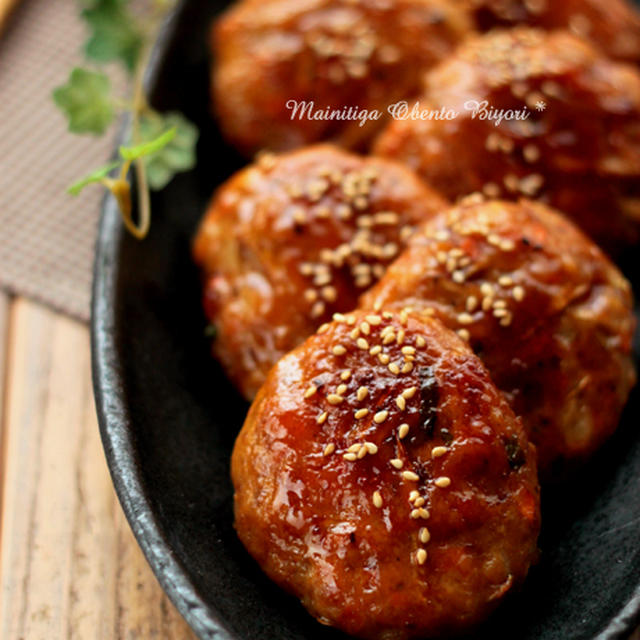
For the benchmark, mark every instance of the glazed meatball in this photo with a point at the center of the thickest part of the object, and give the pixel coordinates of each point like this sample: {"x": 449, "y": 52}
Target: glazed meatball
{"x": 543, "y": 307}
{"x": 612, "y": 25}
{"x": 295, "y": 238}
{"x": 337, "y": 54}
{"x": 578, "y": 149}
{"x": 382, "y": 478}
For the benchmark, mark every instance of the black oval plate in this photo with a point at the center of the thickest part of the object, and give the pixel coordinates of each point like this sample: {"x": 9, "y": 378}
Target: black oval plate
{"x": 168, "y": 419}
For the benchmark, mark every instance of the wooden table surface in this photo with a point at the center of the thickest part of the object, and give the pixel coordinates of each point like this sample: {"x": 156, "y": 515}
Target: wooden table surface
{"x": 70, "y": 566}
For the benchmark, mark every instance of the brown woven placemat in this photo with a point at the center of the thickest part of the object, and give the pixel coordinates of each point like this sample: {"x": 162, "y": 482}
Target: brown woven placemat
{"x": 46, "y": 236}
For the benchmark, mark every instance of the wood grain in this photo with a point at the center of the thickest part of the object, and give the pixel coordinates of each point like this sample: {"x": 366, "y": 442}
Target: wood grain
{"x": 6, "y": 7}
{"x": 69, "y": 565}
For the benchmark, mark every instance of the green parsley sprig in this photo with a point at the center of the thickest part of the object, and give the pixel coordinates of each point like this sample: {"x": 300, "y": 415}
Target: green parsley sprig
{"x": 161, "y": 144}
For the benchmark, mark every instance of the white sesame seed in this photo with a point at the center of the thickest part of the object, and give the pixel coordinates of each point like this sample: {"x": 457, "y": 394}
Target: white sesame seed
{"x": 361, "y": 343}
{"x": 371, "y": 448}
{"x": 374, "y": 351}
{"x": 310, "y": 391}
{"x": 415, "y": 514}
{"x": 365, "y": 328}
{"x": 408, "y": 366}
{"x": 394, "y": 368}
{"x": 329, "y": 449}
{"x": 472, "y": 304}
{"x": 518, "y": 293}
{"x": 464, "y": 334}
{"x": 436, "y": 452}
{"x": 414, "y": 495}
{"x": 322, "y": 417}
{"x": 458, "y": 277}
{"x": 424, "y": 535}
{"x": 423, "y": 513}
{"x": 505, "y": 281}
{"x": 408, "y": 350}
{"x": 323, "y": 328}
{"x": 360, "y": 413}
{"x": 400, "y": 338}
{"x": 420, "y": 342}
{"x": 442, "y": 482}
{"x": 334, "y": 398}
{"x": 389, "y": 338}
{"x": 341, "y": 389}
{"x": 354, "y": 448}
{"x": 355, "y": 334}
{"x": 380, "y": 417}
{"x": 374, "y": 320}
{"x": 397, "y": 463}
{"x": 401, "y": 402}
{"x": 362, "y": 452}
{"x": 345, "y": 375}
{"x": 377, "y": 499}
{"x": 465, "y": 318}
{"x": 361, "y": 393}
{"x": 409, "y": 393}
{"x": 351, "y": 457}
{"x": 419, "y": 502}
{"x": 338, "y": 350}
{"x": 403, "y": 430}
{"x": 410, "y": 475}
{"x": 384, "y": 358}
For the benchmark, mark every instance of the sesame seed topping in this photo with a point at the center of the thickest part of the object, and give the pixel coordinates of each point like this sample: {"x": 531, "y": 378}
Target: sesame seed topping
{"x": 403, "y": 430}
{"x": 334, "y": 398}
{"x": 384, "y": 358}
{"x": 355, "y": 334}
{"x": 400, "y": 338}
{"x": 410, "y": 475}
{"x": 442, "y": 482}
{"x": 415, "y": 514}
{"x": 322, "y": 418}
{"x": 323, "y": 328}
{"x": 518, "y": 293}
{"x": 365, "y": 328}
{"x": 361, "y": 343}
{"x": 397, "y": 463}
{"x": 465, "y": 318}
{"x": 471, "y": 304}
{"x": 374, "y": 320}
{"x": 377, "y": 499}
{"x": 414, "y": 495}
{"x": 341, "y": 389}
{"x": 360, "y": 413}
{"x": 318, "y": 309}
{"x": 436, "y": 452}
{"x": 424, "y": 535}
{"x": 380, "y": 417}
{"x": 329, "y": 449}
{"x": 420, "y": 342}
{"x": 505, "y": 281}
{"x": 354, "y": 448}
{"x": 345, "y": 375}
{"x": 374, "y": 351}
{"x": 389, "y": 338}
{"x": 310, "y": 391}
{"x": 419, "y": 502}
{"x": 371, "y": 448}
{"x": 401, "y": 402}
{"x": 408, "y": 350}
{"x": 361, "y": 393}
{"x": 362, "y": 452}
{"x": 394, "y": 368}
{"x": 408, "y": 366}
{"x": 423, "y": 513}
{"x": 351, "y": 457}
{"x": 464, "y": 334}
{"x": 338, "y": 350}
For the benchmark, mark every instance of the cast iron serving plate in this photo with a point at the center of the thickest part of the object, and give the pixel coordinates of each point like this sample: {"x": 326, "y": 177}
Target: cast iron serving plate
{"x": 168, "y": 419}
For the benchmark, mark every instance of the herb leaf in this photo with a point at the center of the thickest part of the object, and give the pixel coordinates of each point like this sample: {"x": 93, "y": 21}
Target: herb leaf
{"x": 115, "y": 35}
{"x": 176, "y": 156}
{"x": 86, "y": 101}
{"x": 150, "y": 147}
{"x": 95, "y": 176}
